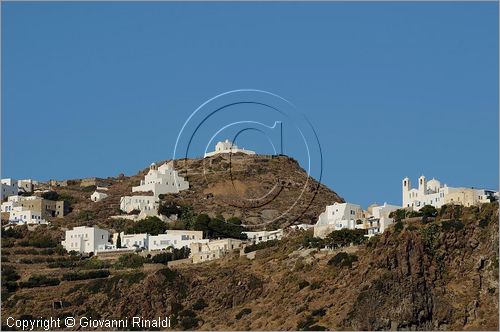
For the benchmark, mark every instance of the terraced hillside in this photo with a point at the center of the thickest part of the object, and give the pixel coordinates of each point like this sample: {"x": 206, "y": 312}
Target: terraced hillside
{"x": 434, "y": 274}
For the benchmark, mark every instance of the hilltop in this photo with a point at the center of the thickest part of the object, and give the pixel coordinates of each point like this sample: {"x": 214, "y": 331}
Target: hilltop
{"x": 439, "y": 274}
{"x": 264, "y": 191}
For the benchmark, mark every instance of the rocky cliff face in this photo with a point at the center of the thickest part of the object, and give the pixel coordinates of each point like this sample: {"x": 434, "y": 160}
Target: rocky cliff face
{"x": 438, "y": 275}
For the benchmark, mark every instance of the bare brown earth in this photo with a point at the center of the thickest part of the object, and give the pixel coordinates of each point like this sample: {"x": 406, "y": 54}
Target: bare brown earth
{"x": 429, "y": 276}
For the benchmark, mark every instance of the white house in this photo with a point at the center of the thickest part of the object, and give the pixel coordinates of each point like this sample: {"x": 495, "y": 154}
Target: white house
{"x": 162, "y": 180}
{"x": 433, "y": 193}
{"x": 98, "y": 196}
{"x": 85, "y": 239}
{"x": 227, "y": 147}
{"x": 9, "y": 188}
{"x": 337, "y": 217}
{"x": 174, "y": 238}
{"x": 132, "y": 240}
{"x": 202, "y": 251}
{"x": 21, "y": 216}
{"x": 142, "y": 203}
{"x": 263, "y": 236}
{"x": 381, "y": 213}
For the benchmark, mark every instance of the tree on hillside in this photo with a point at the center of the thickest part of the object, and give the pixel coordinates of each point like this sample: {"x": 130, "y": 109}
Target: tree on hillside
{"x": 168, "y": 209}
{"x": 118, "y": 241}
{"x": 428, "y": 211}
{"x": 150, "y": 225}
{"x": 201, "y": 223}
{"x": 234, "y": 221}
{"x": 345, "y": 237}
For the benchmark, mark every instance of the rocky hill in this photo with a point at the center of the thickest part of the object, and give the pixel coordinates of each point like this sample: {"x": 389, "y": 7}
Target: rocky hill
{"x": 434, "y": 274}
{"x": 264, "y": 191}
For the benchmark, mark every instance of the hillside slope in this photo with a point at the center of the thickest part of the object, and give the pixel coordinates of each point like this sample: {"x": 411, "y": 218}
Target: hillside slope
{"x": 263, "y": 191}
{"x": 439, "y": 275}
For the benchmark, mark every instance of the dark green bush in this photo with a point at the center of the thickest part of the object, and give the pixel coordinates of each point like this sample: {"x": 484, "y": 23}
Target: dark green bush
{"x": 169, "y": 274}
{"x": 150, "y": 225}
{"x": 261, "y": 245}
{"x": 315, "y": 285}
{"x": 343, "y": 259}
{"x": 40, "y": 241}
{"x": 483, "y": 223}
{"x": 345, "y": 237}
{"x": 218, "y": 228}
{"x": 39, "y": 281}
{"x": 398, "y": 227}
{"x": 454, "y": 225}
{"x": 165, "y": 257}
{"x": 398, "y": 215}
{"x": 319, "y": 312}
{"x": 303, "y": 284}
{"x": 200, "y": 304}
{"x": 243, "y": 312}
{"x": 428, "y": 211}
{"x": 9, "y": 273}
{"x": 189, "y": 322}
{"x": 132, "y": 261}
{"x": 71, "y": 276}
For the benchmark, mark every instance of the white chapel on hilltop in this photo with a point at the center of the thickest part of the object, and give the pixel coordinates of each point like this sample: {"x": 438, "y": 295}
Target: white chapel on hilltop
{"x": 227, "y": 147}
{"x": 162, "y": 180}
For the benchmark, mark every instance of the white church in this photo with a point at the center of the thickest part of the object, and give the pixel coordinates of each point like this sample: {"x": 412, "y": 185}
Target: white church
{"x": 433, "y": 193}
{"x": 227, "y": 147}
{"x": 162, "y": 180}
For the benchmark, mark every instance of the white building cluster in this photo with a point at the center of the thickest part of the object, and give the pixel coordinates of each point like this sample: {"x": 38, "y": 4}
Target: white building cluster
{"x": 433, "y": 193}
{"x": 351, "y": 216}
{"x": 11, "y": 187}
{"x": 162, "y": 180}
{"x": 263, "y": 236}
{"x": 376, "y": 219}
{"x": 95, "y": 240}
{"x": 227, "y": 147}
{"x": 21, "y": 215}
{"x": 158, "y": 180}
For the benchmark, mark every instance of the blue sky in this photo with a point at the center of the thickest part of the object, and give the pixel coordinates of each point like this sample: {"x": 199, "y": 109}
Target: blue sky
{"x": 391, "y": 89}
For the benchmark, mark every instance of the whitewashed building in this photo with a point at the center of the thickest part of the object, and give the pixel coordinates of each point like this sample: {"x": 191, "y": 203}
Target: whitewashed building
{"x": 171, "y": 238}
{"x": 227, "y": 147}
{"x": 337, "y": 217}
{"x": 174, "y": 238}
{"x": 263, "y": 236}
{"x": 98, "y": 196}
{"x": 21, "y": 216}
{"x": 433, "y": 193}
{"x": 162, "y": 180}
{"x": 85, "y": 239}
{"x": 9, "y": 188}
{"x": 131, "y": 241}
{"x": 205, "y": 250}
{"x": 147, "y": 204}
{"x": 381, "y": 213}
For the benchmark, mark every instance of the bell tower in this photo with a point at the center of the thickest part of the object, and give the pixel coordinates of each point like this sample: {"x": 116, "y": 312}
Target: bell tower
{"x": 406, "y": 186}
{"x": 422, "y": 185}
